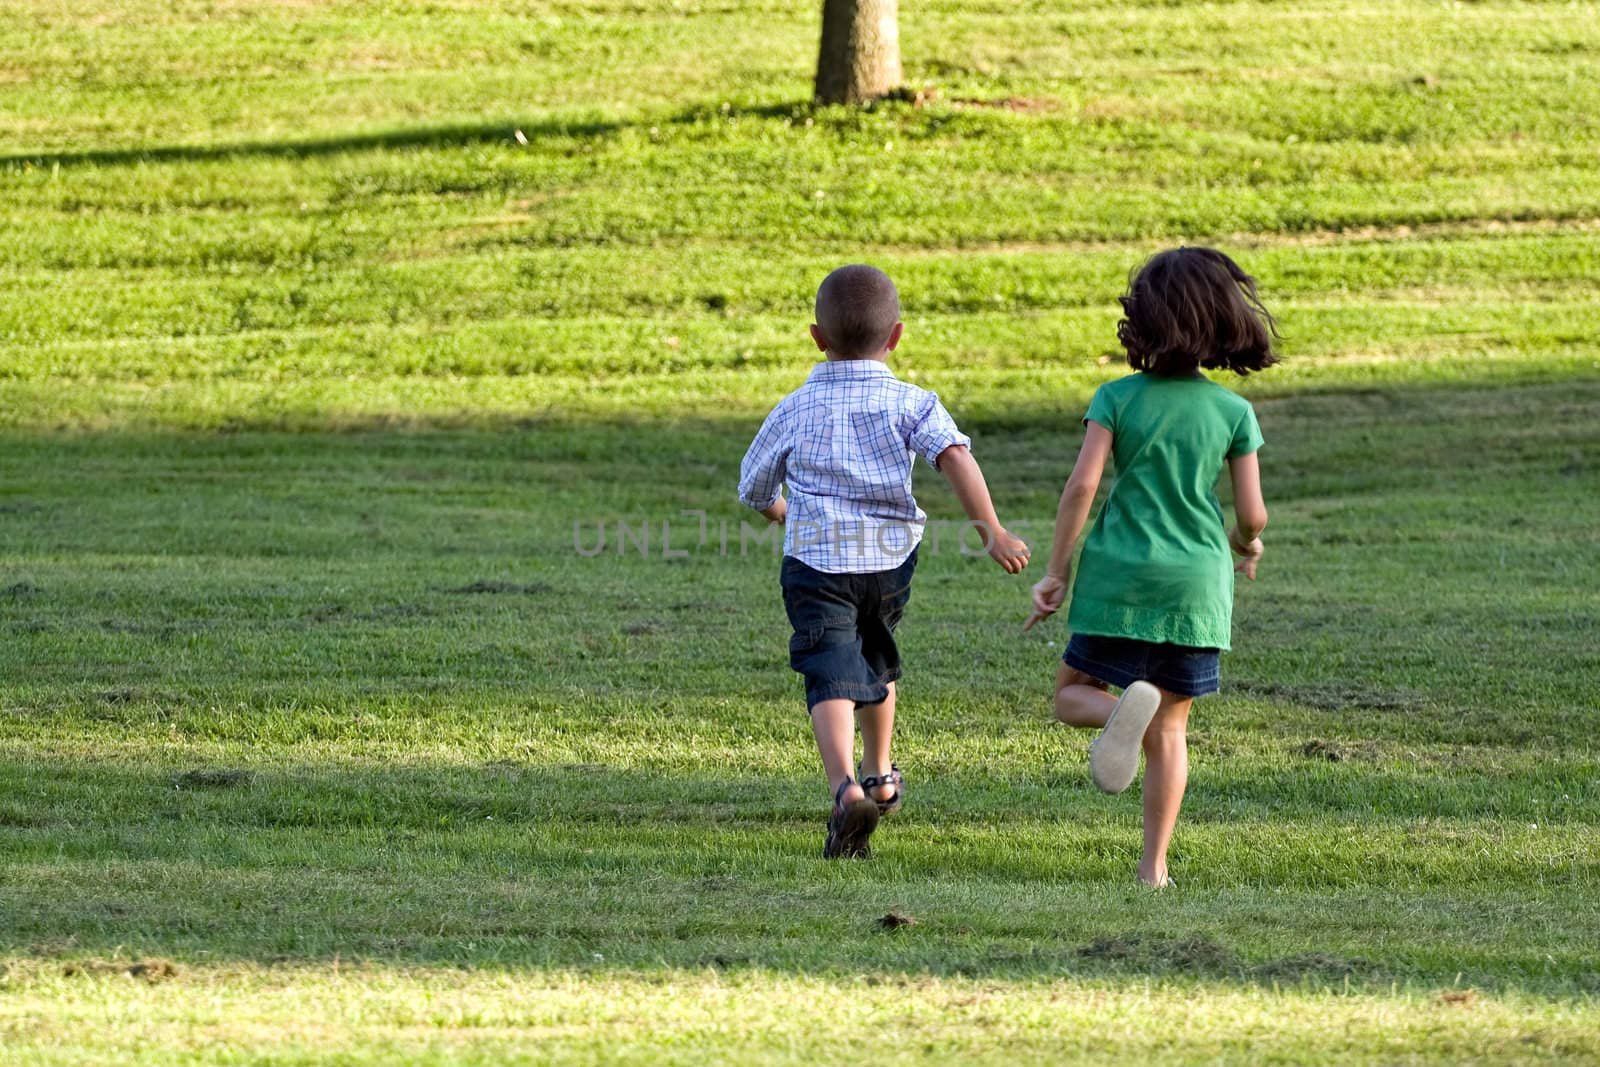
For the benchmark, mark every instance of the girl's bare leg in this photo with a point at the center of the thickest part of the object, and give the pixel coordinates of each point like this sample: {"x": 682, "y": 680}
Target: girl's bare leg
{"x": 877, "y": 730}
{"x": 1166, "y": 775}
{"x": 1081, "y": 699}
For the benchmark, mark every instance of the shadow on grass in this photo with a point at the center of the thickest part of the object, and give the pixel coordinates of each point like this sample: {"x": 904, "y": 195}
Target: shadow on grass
{"x": 448, "y": 136}
{"x": 453, "y": 135}
{"x": 603, "y": 868}
{"x": 713, "y": 863}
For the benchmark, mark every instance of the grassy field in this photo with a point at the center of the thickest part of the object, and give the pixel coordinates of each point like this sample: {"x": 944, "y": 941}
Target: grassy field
{"x": 319, "y": 742}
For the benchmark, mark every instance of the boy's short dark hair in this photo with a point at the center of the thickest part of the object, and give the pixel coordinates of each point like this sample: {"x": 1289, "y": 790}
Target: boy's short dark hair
{"x": 1189, "y": 308}
{"x": 857, "y": 308}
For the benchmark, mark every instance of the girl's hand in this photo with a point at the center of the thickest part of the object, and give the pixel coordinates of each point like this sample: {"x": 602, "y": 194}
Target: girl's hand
{"x": 1049, "y": 593}
{"x": 1249, "y": 554}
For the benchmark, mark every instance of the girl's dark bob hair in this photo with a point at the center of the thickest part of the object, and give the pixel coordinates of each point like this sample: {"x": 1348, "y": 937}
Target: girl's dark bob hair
{"x": 1189, "y": 308}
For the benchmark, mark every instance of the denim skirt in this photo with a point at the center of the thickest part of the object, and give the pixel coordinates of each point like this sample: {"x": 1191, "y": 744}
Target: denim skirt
{"x": 1121, "y": 661}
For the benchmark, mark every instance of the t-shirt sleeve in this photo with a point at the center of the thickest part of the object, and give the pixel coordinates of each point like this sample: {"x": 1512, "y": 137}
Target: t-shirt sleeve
{"x": 933, "y": 430}
{"x": 765, "y": 465}
{"x": 1101, "y": 410}
{"x": 1246, "y": 435}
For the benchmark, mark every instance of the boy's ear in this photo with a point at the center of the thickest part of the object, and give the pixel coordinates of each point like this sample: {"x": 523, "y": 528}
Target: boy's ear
{"x": 894, "y": 336}
{"x": 819, "y": 338}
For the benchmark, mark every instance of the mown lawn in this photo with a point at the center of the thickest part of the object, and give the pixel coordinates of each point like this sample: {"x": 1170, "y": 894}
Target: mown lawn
{"x": 320, "y": 742}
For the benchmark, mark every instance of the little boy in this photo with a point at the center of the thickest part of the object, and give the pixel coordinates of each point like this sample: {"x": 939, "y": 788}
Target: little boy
{"x": 843, "y": 442}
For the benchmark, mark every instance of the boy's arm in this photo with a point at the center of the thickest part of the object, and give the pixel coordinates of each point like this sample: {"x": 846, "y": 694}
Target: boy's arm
{"x": 966, "y": 479}
{"x": 934, "y": 436}
{"x": 1249, "y": 512}
{"x": 763, "y": 469}
{"x": 1072, "y": 514}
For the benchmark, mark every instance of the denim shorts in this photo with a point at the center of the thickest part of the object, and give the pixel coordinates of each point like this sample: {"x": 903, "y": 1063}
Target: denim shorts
{"x": 1121, "y": 661}
{"x": 843, "y": 641}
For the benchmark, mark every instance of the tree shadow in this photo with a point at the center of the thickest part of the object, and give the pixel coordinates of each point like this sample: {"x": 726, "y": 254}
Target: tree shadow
{"x": 455, "y": 135}
{"x": 581, "y": 866}
{"x": 393, "y": 576}
{"x": 452, "y": 135}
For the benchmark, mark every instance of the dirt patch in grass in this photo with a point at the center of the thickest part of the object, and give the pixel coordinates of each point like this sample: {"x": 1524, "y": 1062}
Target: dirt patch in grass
{"x": 1202, "y": 955}
{"x": 1310, "y": 965}
{"x": 1331, "y": 751}
{"x": 928, "y": 95}
{"x": 582, "y": 768}
{"x": 501, "y": 589}
{"x": 1022, "y": 105}
{"x": 700, "y": 607}
{"x": 1190, "y": 954}
{"x": 722, "y": 961}
{"x": 133, "y": 695}
{"x": 17, "y": 819}
{"x": 1204, "y": 742}
{"x": 383, "y": 612}
{"x": 152, "y": 972}
{"x": 162, "y": 630}
{"x": 897, "y": 920}
{"x": 211, "y": 778}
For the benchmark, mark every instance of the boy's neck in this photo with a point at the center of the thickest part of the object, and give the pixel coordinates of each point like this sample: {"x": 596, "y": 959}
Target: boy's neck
{"x": 881, "y": 357}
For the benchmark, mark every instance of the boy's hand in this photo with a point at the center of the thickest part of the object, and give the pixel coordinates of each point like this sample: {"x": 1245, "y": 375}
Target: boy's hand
{"x": 1249, "y": 553}
{"x": 1049, "y": 593}
{"x": 778, "y": 512}
{"x": 1010, "y": 552}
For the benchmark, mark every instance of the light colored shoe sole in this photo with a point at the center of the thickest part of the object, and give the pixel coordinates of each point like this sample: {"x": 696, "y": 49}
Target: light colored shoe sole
{"x": 1114, "y": 756}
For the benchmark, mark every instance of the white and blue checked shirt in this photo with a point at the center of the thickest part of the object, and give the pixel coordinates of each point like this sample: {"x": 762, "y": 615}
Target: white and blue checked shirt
{"x": 843, "y": 442}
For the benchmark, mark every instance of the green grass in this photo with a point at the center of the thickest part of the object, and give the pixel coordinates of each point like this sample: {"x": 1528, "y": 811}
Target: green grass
{"x": 308, "y": 370}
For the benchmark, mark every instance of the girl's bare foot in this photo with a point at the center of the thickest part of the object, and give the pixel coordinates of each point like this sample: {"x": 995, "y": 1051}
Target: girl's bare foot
{"x": 1155, "y": 876}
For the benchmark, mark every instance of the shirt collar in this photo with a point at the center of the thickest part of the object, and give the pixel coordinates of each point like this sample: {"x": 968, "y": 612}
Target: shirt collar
{"x": 851, "y": 368}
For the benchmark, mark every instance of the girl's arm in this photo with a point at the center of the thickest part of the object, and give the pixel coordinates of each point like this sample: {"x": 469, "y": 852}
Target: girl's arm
{"x": 1249, "y": 512}
{"x": 1071, "y": 516}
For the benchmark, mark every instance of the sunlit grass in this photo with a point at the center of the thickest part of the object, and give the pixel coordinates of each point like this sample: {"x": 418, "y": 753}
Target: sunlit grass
{"x": 313, "y": 719}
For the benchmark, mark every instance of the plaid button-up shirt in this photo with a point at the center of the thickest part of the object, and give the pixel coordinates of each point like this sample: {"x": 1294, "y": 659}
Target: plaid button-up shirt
{"x": 843, "y": 442}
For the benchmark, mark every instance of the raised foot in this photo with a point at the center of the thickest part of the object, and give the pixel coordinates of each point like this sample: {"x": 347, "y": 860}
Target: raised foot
{"x": 1114, "y": 755}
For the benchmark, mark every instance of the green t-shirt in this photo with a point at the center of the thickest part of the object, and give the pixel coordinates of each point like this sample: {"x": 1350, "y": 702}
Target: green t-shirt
{"x": 1156, "y": 564}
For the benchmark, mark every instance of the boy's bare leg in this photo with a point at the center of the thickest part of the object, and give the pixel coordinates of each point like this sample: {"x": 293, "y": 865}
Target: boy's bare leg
{"x": 1166, "y": 775}
{"x": 1081, "y": 699}
{"x": 877, "y": 731}
{"x": 833, "y": 723}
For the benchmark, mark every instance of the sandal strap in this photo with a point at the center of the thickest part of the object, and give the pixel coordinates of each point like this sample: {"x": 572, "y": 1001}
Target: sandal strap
{"x": 838, "y": 794}
{"x": 893, "y": 777}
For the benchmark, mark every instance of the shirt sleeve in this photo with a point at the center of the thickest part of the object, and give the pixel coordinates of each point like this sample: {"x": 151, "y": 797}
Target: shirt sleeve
{"x": 766, "y": 463}
{"x": 933, "y": 430}
{"x": 1102, "y": 411}
{"x": 1246, "y": 435}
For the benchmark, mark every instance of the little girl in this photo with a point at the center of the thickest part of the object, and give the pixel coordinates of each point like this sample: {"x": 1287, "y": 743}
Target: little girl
{"x": 1153, "y": 602}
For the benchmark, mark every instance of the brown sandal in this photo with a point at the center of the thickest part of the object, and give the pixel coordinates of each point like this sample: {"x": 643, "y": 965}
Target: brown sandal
{"x": 850, "y": 827}
{"x": 894, "y": 780}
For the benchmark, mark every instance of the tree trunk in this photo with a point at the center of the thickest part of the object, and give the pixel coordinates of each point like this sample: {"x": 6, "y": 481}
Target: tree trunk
{"x": 860, "y": 56}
